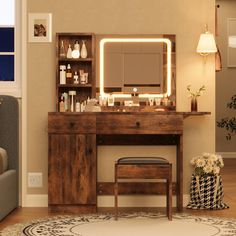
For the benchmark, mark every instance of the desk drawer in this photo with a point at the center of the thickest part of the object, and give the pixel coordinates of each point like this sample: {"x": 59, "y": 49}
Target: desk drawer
{"x": 71, "y": 123}
{"x": 139, "y": 124}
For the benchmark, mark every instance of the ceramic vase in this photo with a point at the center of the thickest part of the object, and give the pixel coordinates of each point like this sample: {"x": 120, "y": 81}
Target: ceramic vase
{"x": 84, "y": 52}
{"x": 194, "y": 104}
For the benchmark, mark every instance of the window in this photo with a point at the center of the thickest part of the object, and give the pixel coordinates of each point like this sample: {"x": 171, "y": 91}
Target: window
{"x": 9, "y": 77}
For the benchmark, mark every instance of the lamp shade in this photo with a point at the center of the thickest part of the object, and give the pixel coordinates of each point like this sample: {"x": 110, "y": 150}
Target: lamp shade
{"x": 206, "y": 44}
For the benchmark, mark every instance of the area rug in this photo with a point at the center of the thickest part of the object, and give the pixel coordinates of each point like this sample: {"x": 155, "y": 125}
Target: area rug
{"x": 135, "y": 224}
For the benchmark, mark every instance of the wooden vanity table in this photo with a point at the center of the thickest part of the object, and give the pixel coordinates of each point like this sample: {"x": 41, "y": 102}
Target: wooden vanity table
{"x": 73, "y": 139}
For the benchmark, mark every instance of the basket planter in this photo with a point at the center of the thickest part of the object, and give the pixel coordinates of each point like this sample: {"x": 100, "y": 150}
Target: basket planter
{"x": 206, "y": 192}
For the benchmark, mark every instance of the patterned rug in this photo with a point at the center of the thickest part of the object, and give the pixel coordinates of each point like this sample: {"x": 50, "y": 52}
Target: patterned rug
{"x": 135, "y": 224}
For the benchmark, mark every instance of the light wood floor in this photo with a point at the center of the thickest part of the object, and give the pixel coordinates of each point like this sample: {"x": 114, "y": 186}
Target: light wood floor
{"x": 229, "y": 181}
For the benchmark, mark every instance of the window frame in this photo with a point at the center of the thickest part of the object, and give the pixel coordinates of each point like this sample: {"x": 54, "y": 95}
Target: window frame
{"x": 13, "y": 88}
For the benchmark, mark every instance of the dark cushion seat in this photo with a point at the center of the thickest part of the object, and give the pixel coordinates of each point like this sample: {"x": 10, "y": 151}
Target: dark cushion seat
{"x": 142, "y": 160}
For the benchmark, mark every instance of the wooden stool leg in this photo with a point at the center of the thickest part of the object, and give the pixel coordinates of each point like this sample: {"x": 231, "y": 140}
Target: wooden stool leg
{"x": 167, "y": 198}
{"x": 116, "y": 194}
{"x": 169, "y": 194}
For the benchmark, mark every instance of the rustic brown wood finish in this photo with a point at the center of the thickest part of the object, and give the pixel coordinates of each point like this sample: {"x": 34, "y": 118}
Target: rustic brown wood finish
{"x": 155, "y": 171}
{"x": 73, "y": 138}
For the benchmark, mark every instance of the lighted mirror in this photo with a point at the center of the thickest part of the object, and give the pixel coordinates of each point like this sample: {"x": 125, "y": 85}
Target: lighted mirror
{"x": 146, "y": 63}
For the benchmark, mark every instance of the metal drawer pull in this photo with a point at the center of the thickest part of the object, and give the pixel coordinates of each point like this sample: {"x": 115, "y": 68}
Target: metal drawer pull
{"x": 138, "y": 124}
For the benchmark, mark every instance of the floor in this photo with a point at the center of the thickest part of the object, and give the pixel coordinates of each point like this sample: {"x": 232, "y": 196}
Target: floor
{"x": 228, "y": 175}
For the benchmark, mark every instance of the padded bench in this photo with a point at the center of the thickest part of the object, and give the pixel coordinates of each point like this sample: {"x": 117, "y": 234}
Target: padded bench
{"x": 144, "y": 168}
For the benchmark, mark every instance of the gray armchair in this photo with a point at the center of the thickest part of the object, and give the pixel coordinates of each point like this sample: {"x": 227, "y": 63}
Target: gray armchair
{"x": 9, "y": 140}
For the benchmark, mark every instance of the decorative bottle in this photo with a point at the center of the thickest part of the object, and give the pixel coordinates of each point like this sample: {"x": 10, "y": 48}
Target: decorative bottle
{"x": 68, "y": 75}
{"x": 69, "y": 52}
{"x": 76, "y": 78}
{"x": 76, "y": 52}
{"x": 84, "y": 52}
{"x": 62, "y": 50}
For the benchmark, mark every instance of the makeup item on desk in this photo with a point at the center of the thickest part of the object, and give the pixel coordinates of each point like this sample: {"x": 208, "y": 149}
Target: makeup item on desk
{"x": 165, "y": 101}
{"x": 157, "y": 101}
{"x": 151, "y": 101}
{"x": 111, "y": 101}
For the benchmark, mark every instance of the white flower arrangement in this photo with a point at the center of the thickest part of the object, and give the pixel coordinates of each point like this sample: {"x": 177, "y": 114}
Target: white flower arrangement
{"x": 207, "y": 164}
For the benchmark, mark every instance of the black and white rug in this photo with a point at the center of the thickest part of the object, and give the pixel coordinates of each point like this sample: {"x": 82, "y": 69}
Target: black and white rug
{"x": 136, "y": 224}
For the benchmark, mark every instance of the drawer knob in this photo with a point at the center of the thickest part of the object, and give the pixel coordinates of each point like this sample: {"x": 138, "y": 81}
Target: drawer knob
{"x": 138, "y": 124}
{"x": 72, "y": 124}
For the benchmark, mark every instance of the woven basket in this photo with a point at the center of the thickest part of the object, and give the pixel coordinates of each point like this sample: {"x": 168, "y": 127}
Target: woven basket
{"x": 206, "y": 192}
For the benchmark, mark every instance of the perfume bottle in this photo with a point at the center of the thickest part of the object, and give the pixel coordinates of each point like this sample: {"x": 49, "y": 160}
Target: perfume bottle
{"x": 69, "y": 52}
{"x": 76, "y": 78}
{"x": 84, "y": 52}
{"x": 69, "y": 75}
{"x": 62, "y": 105}
{"x": 62, "y": 50}
{"x": 76, "y": 51}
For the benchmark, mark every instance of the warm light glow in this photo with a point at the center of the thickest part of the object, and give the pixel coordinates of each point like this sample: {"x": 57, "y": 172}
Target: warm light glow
{"x": 232, "y": 41}
{"x": 206, "y": 44}
{"x": 135, "y": 40}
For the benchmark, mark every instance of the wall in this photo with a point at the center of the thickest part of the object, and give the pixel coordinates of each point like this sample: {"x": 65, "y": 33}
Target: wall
{"x": 184, "y": 18}
{"x": 225, "y": 79}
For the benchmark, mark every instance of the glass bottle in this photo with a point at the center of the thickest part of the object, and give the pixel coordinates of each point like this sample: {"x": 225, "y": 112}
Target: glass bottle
{"x": 68, "y": 74}
{"x": 62, "y": 50}
{"x": 76, "y": 78}
{"x": 69, "y": 52}
{"x": 84, "y": 52}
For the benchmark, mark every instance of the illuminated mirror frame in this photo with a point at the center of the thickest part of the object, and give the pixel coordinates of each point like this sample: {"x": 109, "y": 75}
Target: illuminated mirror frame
{"x": 135, "y": 40}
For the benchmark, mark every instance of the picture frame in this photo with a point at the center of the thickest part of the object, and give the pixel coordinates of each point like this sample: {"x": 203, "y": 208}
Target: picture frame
{"x": 231, "y": 38}
{"x": 40, "y": 27}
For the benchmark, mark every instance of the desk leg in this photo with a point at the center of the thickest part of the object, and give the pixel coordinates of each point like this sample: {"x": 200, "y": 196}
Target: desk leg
{"x": 179, "y": 174}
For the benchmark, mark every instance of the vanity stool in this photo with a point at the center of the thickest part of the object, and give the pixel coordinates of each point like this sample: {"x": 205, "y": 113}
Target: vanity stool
{"x": 144, "y": 168}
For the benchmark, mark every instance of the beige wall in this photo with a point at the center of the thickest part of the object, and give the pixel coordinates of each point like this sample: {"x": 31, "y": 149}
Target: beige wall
{"x": 184, "y": 18}
{"x": 225, "y": 80}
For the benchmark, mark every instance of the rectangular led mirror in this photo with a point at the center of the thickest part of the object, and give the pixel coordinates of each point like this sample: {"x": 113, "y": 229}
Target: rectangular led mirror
{"x": 146, "y": 63}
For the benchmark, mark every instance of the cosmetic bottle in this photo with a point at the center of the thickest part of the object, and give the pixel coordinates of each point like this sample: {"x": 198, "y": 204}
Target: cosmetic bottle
{"x": 62, "y": 74}
{"x": 68, "y": 75}
{"x": 69, "y": 52}
{"x": 62, "y": 105}
{"x": 111, "y": 101}
{"x": 76, "y": 51}
{"x": 77, "y": 106}
{"x": 62, "y": 50}
{"x": 76, "y": 78}
{"x": 66, "y": 100}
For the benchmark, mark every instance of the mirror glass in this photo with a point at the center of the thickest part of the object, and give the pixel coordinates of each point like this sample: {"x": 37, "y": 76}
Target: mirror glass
{"x": 146, "y": 63}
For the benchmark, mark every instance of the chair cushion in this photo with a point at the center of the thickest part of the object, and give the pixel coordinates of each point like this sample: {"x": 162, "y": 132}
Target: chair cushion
{"x": 3, "y": 160}
{"x": 142, "y": 160}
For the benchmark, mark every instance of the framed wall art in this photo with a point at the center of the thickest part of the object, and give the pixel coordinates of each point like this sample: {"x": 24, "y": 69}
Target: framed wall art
{"x": 40, "y": 27}
{"x": 231, "y": 37}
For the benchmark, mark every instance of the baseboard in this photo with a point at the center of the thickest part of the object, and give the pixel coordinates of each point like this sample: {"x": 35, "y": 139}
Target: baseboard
{"x": 41, "y": 200}
{"x": 227, "y": 154}
{"x": 36, "y": 200}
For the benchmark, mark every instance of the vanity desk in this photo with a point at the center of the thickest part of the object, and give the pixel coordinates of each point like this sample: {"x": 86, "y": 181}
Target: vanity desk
{"x": 72, "y": 162}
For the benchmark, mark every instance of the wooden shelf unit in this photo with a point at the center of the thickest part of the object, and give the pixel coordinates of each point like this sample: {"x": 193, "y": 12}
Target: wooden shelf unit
{"x": 83, "y": 91}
